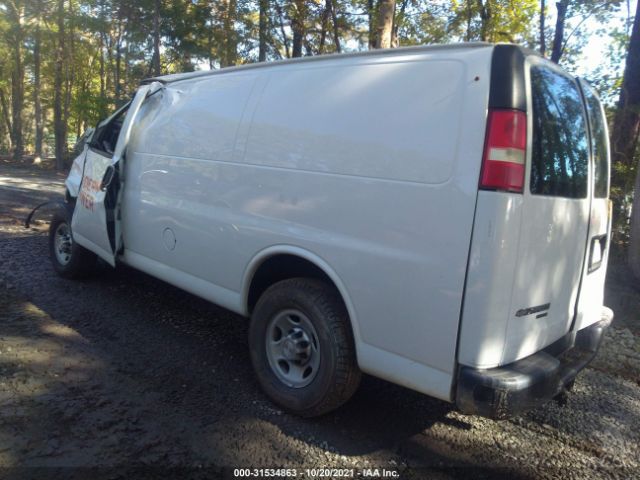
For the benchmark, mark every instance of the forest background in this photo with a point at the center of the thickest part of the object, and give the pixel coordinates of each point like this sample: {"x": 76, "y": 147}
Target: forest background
{"x": 65, "y": 64}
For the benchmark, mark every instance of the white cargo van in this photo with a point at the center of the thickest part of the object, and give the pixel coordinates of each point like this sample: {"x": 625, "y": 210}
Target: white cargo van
{"x": 434, "y": 216}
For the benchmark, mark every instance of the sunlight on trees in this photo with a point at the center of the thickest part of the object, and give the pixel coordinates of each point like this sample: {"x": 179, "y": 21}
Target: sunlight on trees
{"x": 65, "y": 64}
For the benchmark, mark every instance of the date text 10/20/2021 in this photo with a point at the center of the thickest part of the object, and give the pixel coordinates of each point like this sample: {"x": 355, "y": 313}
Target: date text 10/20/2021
{"x": 315, "y": 473}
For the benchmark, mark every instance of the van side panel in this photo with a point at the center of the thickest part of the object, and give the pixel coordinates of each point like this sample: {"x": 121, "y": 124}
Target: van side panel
{"x": 369, "y": 121}
{"x": 372, "y": 168}
{"x": 176, "y": 177}
{"x": 200, "y": 119}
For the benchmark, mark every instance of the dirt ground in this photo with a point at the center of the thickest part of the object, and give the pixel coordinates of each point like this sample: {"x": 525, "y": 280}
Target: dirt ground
{"x": 124, "y": 376}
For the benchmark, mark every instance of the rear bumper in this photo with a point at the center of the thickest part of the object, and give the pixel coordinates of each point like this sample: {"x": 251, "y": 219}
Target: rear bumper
{"x": 527, "y": 383}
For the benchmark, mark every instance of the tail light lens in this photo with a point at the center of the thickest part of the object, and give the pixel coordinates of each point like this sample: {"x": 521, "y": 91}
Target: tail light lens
{"x": 504, "y": 151}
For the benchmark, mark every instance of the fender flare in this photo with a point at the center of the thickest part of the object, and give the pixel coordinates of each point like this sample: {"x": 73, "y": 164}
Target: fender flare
{"x": 263, "y": 255}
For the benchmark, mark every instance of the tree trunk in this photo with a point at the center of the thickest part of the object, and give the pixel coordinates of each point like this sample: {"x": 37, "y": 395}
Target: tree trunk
{"x": 372, "y": 12}
{"x": 60, "y": 131}
{"x": 103, "y": 81}
{"x": 469, "y": 19}
{"x": 229, "y": 55}
{"x": 232, "y": 38}
{"x": 17, "y": 78}
{"x": 396, "y": 23}
{"x": 634, "y": 239}
{"x": 336, "y": 28}
{"x": 558, "y": 38}
{"x": 110, "y": 71}
{"x": 626, "y": 130}
{"x": 324, "y": 21}
{"x": 156, "y": 38}
{"x": 543, "y": 43}
{"x": 6, "y": 117}
{"x": 102, "y": 69}
{"x": 263, "y": 26}
{"x": 329, "y": 10}
{"x": 384, "y": 24}
{"x": 118, "y": 60}
{"x": 485, "y": 18}
{"x": 210, "y": 49}
{"x": 36, "y": 91}
{"x": 45, "y": 145}
{"x": 70, "y": 72}
{"x": 297, "y": 27}
{"x": 283, "y": 32}
{"x": 127, "y": 66}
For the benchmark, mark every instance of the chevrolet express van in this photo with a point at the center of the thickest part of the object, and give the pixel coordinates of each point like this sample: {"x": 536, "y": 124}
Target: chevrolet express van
{"x": 434, "y": 216}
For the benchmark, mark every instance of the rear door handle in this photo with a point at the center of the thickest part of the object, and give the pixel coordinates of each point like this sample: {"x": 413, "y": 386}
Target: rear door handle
{"x": 596, "y": 251}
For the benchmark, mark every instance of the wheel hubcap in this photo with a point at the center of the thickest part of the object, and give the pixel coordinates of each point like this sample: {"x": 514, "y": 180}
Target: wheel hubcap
{"x": 63, "y": 243}
{"x": 292, "y": 348}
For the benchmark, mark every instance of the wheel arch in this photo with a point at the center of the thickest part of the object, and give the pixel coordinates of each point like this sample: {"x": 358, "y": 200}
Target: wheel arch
{"x": 279, "y": 255}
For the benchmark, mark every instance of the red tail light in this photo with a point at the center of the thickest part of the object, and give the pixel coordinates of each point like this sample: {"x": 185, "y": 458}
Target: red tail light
{"x": 504, "y": 151}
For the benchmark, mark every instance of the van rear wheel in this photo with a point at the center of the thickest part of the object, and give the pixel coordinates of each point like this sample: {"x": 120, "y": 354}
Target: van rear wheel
{"x": 69, "y": 259}
{"x": 302, "y": 347}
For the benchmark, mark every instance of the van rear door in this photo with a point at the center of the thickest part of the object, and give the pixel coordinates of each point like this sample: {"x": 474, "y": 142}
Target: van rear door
{"x": 555, "y": 213}
{"x": 531, "y": 239}
{"x": 591, "y": 298}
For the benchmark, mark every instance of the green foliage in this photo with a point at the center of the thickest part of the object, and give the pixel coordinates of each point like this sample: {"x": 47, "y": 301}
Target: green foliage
{"x": 109, "y": 44}
{"x": 506, "y": 20}
{"x": 607, "y": 77}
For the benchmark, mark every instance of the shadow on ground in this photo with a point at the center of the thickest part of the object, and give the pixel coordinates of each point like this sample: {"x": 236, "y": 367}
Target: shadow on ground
{"x": 160, "y": 376}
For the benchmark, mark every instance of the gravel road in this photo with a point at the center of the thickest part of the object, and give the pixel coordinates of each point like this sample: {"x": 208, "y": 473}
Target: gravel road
{"x": 123, "y": 373}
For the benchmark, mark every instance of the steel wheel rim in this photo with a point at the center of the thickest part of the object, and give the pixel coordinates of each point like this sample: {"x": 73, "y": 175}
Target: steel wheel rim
{"x": 293, "y": 348}
{"x": 62, "y": 243}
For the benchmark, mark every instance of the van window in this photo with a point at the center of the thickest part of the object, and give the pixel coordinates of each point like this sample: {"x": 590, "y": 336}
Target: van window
{"x": 560, "y": 155}
{"x": 599, "y": 143}
{"x": 107, "y": 132}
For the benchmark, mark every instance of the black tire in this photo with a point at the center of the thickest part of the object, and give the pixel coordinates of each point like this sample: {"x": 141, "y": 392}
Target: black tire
{"x": 338, "y": 375}
{"x": 81, "y": 262}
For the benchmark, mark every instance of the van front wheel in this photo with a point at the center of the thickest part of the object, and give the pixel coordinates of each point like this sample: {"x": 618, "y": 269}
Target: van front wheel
{"x": 302, "y": 347}
{"x": 69, "y": 259}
